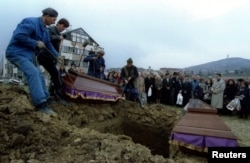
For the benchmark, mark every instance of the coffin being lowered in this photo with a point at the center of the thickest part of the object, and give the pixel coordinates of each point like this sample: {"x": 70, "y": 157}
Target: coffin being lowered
{"x": 87, "y": 87}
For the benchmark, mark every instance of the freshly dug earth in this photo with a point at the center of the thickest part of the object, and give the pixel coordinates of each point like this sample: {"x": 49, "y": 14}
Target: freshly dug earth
{"x": 88, "y": 132}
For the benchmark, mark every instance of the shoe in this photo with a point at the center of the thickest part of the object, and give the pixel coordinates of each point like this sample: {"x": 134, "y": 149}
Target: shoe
{"x": 59, "y": 93}
{"x": 44, "y": 108}
{"x": 140, "y": 102}
{"x": 47, "y": 111}
{"x": 50, "y": 101}
{"x": 61, "y": 101}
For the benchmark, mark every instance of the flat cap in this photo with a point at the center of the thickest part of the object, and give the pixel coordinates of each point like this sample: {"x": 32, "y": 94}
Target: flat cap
{"x": 50, "y": 11}
{"x": 100, "y": 51}
{"x": 130, "y": 60}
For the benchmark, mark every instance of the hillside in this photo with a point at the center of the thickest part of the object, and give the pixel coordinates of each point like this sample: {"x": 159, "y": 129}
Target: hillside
{"x": 228, "y": 64}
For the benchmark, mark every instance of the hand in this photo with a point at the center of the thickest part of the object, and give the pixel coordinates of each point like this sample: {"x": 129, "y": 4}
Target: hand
{"x": 94, "y": 58}
{"x": 60, "y": 60}
{"x": 40, "y": 44}
{"x": 61, "y": 37}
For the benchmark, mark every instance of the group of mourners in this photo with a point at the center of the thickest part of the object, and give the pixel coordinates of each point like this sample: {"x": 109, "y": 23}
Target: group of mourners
{"x": 228, "y": 96}
{"x": 176, "y": 89}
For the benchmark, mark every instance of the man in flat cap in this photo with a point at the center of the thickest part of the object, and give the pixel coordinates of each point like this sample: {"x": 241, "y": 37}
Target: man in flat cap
{"x": 129, "y": 74}
{"x": 96, "y": 64}
{"x": 31, "y": 35}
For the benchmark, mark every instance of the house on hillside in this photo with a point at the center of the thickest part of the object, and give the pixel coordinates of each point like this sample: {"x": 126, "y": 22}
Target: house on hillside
{"x": 71, "y": 50}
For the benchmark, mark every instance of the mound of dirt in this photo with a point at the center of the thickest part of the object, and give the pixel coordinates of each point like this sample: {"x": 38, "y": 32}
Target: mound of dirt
{"x": 83, "y": 132}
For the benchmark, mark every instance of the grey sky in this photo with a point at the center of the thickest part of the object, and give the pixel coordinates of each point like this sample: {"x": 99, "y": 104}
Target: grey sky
{"x": 156, "y": 33}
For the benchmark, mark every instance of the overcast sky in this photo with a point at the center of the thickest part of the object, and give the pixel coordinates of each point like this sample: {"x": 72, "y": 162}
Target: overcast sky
{"x": 156, "y": 33}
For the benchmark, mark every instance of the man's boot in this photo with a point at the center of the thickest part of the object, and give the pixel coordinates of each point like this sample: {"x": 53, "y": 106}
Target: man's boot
{"x": 140, "y": 102}
{"x": 44, "y": 108}
{"x": 60, "y": 95}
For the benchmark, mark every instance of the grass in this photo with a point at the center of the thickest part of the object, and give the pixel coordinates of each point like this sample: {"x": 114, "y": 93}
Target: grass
{"x": 240, "y": 128}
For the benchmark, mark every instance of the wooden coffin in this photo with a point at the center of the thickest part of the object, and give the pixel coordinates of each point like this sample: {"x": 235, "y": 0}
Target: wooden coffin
{"x": 201, "y": 128}
{"x": 88, "y": 87}
{"x": 196, "y": 105}
{"x": 203, "y": 124}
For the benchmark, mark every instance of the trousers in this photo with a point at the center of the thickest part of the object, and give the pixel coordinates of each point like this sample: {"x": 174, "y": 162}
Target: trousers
{"x": 49, "y": 64}
{"x": 35, "y": 78}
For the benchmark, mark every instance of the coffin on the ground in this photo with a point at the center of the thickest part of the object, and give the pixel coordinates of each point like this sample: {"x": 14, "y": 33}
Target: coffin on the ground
{"x": 201, "y": 128}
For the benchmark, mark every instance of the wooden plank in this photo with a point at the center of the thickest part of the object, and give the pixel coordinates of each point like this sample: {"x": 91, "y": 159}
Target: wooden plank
{"x": 196, "y": 105}
{"x": 204, "y": 132}
{"x": 199, "y": 120}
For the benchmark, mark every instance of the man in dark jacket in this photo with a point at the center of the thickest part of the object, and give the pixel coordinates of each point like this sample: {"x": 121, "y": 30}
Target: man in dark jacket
{"x": 56, "y": 86}
{"x": 96, "y": 64}
{"x": 186, "y": 90}
{"x": 129, "y": 74}
{"x": 166, "y": 89}
{"x": 31, "y": 34}
{"x": 55, "y": 33}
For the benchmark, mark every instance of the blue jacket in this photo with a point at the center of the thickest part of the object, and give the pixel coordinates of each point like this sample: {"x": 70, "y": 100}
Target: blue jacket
{"x": 95, "y": 65}
{"x": 25, "y": 37}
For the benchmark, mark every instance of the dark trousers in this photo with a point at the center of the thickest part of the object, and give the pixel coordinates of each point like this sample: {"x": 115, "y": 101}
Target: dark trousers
{"x": 49, "y": 64}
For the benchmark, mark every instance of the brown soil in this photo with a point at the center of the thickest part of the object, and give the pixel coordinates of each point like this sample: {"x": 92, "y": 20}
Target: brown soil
{"x": 85, "y": 132}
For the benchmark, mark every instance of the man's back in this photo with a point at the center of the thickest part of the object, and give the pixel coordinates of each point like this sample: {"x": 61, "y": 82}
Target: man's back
{"x": 28, "y": 31}
{"x": 25, "y": 37}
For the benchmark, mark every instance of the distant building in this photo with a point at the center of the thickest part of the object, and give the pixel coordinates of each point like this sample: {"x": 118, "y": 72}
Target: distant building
{"x": 170, "y": 70}
{"x": 72, "y": 47}
{"x": 231, "y": 71}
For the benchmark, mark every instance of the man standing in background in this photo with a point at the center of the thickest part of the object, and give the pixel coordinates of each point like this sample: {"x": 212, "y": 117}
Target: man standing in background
{"x": 129, "y": 75}
{"x": 96, "y": 64}
{"x": 217, "y": 89}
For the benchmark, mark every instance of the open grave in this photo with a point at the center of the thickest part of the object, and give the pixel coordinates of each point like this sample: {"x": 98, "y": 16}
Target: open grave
{"x": 150, "y": 126}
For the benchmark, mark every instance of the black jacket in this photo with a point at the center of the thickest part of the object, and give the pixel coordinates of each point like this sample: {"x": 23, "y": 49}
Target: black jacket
{"x": 129, "y": 72}
{"x": 54, "y": 35}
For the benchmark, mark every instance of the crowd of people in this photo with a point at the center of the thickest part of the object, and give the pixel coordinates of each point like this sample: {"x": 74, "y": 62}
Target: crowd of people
{"x": 176, "y": 89}
{"x": 228, "y": 96}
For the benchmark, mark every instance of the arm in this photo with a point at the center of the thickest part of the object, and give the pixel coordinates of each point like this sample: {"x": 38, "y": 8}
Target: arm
{"x": 103, "y": 64}
{"x": 220, "y": 87}
{"x": 89, "y": 58}
{"x": 123, "y": 76}
{"x": 23, "y": 34}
